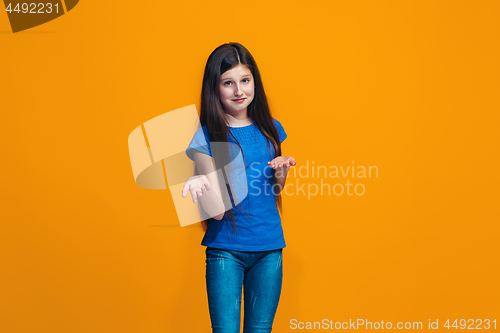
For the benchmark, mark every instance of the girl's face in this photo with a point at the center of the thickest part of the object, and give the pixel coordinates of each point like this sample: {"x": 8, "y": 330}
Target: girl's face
{"x": 236, "y": 89}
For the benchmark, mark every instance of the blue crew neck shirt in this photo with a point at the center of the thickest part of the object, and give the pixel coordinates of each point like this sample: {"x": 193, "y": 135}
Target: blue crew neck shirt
{"x": 261, "y": 229}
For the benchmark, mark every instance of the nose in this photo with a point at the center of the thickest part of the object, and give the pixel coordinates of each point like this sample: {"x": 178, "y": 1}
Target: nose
{"x": 238, "y": 91}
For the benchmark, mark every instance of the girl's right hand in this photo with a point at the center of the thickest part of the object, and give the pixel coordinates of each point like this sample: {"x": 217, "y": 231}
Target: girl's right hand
{"x": 197, "y": 185}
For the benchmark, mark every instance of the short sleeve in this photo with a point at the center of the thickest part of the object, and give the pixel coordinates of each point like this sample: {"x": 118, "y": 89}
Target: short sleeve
{"x": 199, "y": 142}
{"x": 280, "y": 129}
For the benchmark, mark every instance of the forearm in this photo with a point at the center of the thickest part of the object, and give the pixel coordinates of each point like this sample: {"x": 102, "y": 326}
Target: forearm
{"x": 212, "y": 203}
{"x": 280, "y": 175}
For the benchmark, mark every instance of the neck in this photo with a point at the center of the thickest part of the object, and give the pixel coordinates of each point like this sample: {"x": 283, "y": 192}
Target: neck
{"x": 238, "y": 120}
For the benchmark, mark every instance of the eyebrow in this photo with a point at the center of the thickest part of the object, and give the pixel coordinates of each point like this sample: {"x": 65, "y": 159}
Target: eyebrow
{"x": 230, "y": 78}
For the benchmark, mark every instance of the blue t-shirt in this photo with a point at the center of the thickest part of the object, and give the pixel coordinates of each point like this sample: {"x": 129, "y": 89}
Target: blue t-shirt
{"x": 262, "y": 231}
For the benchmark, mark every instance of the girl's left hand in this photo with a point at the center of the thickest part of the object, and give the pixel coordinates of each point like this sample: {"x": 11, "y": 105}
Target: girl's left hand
{"x": 282, "y": 161}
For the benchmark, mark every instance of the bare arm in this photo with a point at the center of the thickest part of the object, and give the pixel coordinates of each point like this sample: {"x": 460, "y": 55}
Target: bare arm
{"x": 281, "y": 164}
{"x": 281, "y": 174}
{"x": 205, "y": 186}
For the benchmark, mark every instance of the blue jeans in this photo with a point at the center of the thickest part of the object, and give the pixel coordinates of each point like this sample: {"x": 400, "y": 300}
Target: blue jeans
{"x": 261, "y": 274}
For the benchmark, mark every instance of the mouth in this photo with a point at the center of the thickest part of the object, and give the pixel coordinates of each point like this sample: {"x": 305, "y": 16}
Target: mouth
{"x": 239, "y": 100}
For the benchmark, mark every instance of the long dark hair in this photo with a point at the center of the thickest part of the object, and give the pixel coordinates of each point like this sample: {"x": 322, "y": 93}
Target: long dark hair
{"x": 212, "y": 114}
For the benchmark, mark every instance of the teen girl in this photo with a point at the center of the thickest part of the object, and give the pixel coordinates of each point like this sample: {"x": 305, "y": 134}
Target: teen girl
{"x": 244, "y": 241}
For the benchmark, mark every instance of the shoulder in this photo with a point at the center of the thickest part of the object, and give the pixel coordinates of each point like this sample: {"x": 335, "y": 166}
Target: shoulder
{"x": 281, "y": 131}
{"x": 277, "y": 123}
{"x": 201, "y": 134}
{"x": 199, "y": 142}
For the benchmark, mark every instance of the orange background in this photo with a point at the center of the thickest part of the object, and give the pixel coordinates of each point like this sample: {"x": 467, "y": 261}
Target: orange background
{"x": 409, "y": 86}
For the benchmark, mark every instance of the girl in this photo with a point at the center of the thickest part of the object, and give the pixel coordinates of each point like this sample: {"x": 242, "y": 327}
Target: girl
{"x": 244, "y": 238}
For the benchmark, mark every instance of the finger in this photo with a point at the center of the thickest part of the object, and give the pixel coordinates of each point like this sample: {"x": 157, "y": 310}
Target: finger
{"x": 207, "y": 186}
{"x": 194, "y": 196}
{"x": 199, "y": 192}
{"x": 185, "y": 190}
{"x": 203, "y": 191}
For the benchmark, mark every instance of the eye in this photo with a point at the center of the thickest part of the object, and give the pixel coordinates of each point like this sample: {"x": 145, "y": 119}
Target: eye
{"x": 225, "y": 83}
{"x": 247, "y": 80}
